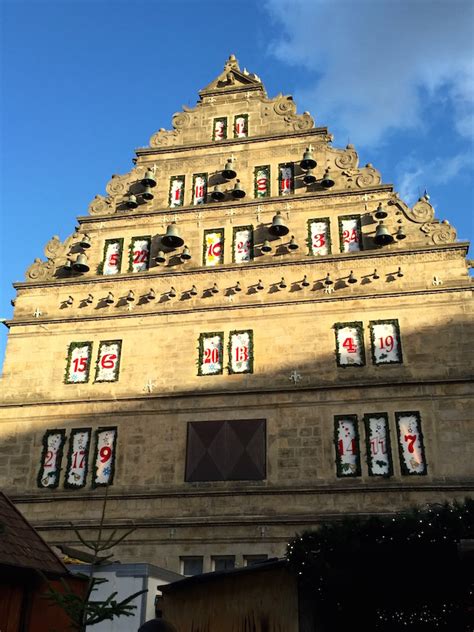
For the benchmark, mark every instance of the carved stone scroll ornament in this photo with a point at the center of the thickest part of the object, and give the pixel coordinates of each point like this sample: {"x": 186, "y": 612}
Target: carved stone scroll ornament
{"x": 369, "y": 176}
{"x": 421, "y": 212}
{"x": 440, "y": 232}
{"x": 101, "y": 205}
{"x": 346, "y": 158}
{"x": 118, "y": 185}
{"x": 56, "y": 253}
{"x": 285, "y": 107}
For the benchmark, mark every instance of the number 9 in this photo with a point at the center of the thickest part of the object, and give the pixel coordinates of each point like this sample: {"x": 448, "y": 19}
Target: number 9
{"x": 105, "y": 453}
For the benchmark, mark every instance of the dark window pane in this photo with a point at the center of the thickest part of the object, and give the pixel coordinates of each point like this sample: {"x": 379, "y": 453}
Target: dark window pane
{"x": 224, "y": 562}
{"x": 191, "y": 565}
{"x": 250, "y": 560}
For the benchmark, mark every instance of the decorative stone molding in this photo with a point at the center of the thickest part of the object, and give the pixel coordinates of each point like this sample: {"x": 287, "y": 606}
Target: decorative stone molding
{"x": 118, "y": 185}
{"x": 164, "y": 138}
{"x": 285, "y": 107}
{"x": 421, "y": 212}
{"x": 369, "y": 176}
{"x": 346, "y": 158}
{"x": 441, "y": 232}
{"x": 56, "y": 253}
{"x": 101, "y": 205}
{"x": 40, "y": 270}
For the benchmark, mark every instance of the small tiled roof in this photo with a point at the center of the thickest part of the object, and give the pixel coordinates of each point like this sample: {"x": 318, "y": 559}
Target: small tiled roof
{"x": 20, "y": 544}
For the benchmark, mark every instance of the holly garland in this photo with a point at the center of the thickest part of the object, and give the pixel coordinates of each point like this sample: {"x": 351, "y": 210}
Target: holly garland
{"x": 239, "y": 251}
{"x": 245, "y": 359}
{"x": 107, "y": 366}
{"x": 216, "y": 252}
{"x": 353, "y": 238}
{"x": 261, "y": 181}
{"x": 349, "y": 442}
{"x": 78, "y": 458}
{"x": 378, "y": 444}
{"x": 69, "y": 359}
{"x": 51, "y": 458}
{"x": 104, "y": 456}
{"x": 359, "y": 337}
{"x": 199, "y": 188}
{"x": 118, "y": 263}
{"x": 396, "y": 571}
{"x": 411, "y": 447}
{"x": 201, "y": 360}
{"x": 241, "y": 126}
{"x": 286, "y": 185}
{"x": 391, "y": 342}
{"x": 172, "y": 199}
{"x": 327, "y": 237}
{"x": 139, "y": 253}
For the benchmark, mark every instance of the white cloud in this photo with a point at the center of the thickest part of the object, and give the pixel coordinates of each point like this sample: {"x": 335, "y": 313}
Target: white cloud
{"x": 374, "y": 65}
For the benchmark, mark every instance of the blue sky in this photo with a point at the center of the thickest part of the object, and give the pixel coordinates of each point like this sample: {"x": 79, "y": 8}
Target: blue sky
{"x": 85, "y": 82}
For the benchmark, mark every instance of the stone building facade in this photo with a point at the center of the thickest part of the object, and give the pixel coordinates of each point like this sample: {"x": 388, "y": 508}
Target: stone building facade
{"x": 240, "y": 344}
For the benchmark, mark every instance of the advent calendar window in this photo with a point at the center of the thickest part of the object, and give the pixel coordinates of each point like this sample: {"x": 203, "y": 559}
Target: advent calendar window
{"x": 286, "y": 178}
{"x": 241, "y": 126}
{"x": 210, "y": 354}
{"x": 377, "y": 435}
{"x": 108, "y": 361}
{"x": 349, "y": 344}
{"x": 219, "y": 128}
{"x": 78, "y": 458}
{"x": 139, "y": 257}
{"x": 199, "y": 188}
{"x": 78, "y": 363}
{"x": 226, "y": 450}
{"x": 262, "y": 181}
{"x": 242, "y": 244}
{"x": 241, "y": 351}
{"x": 112, "y": 259}
{"x": 213, "y": 247}
{"x": 319, "y": 236}
{"x": 386, "y": 343}
{"x": 176, "y": 194}
{"x": 51, "y": 457}
{"x": 346, "y": 439}
{"x": 350, "y": 235}
{"x": 104, "y": 457}
{"x": 410, "y": 443}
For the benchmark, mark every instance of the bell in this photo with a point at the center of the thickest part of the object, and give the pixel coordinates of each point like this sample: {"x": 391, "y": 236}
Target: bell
{"x": 89, "y": 299}
{"x": 328, "y": 280}
{"x": 399, "y": 273}
{"x": 382, "y": 235}
{"x": 380, "y": 213}
{"x": 266, "y": 247}
{"x": 109, "y": 298}
{"x": 147, "y": 194}
{"x": 151, "y": 295}
{"x": 215, "y": 289}
{"x": 282, "y": 285}
{"x": 160, "y": 257}
{"x": 376, "y": 275}
{"x": 309, "y": 177}
{"x": 278, "y": 227}
{"x": 185, "y": 255}
{"x": 69, "y": 301}
{"x": 193, "y": 291}
{"x": 68, "y": 265}
{"x": 217, "y": 195}
{"x": 308, "y": 161}
{"x": 400, "y": 234}
{"x": 327, "y": 182}
{"x": 351, "y": 278}
{"x": 305, "y": 282}
{"x": 80, "y": 264}
{"x": 293, "y": 245}
{"x": 260, "y": 285}
{"x": 237, "y": 191}
{"x": 172, "y": 292}
{"x": 85, "y": 242}
{"x": 130, "y": 297}
{"x": 228, "y": 172}
{"x": 149, "y": 179}
{"x": 238, "y": 288}
{"x": 131, "y": 201}
{"x": 172, "y": 238}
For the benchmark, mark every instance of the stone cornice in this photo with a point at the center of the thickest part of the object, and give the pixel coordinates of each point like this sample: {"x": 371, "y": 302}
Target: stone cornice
{"x": 225, "y": 206}
{"x": 232, "y": 142}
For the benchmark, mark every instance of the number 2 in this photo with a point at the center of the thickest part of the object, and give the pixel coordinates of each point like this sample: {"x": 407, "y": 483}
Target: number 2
{"x": 49, "y": 461}
{"x": 140, "y": 256}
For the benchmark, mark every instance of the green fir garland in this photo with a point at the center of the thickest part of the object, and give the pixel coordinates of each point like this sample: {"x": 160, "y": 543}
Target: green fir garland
{"x": 181, "y": 201}
{"x": 358, "y": 228}
{"x": 74, "y": 432}
{"x": 103, "y": 343}
{"x": 281, "y": 166}
{"x": 340, "y": 468}
{"x": 100, "y": 267}
{"x": 94, "y": 484}
{"x": 71, "y": 347}
{"x": 236, "y": 229}
{"x": 131, "y": 251}
{"x": 367, "y": 418}
{"x": 403, "y": 467}
{"x": 220, "y": 231}
{"x": 246, "y": 125}
{"x": 251, "y": 352}
{"x": 396, "y": 326}
{"x": 256, "y": 193}
{"x": 205, "y": 177}
{"x": 59, "y": 458}
{"x": 359, "y": 327}
{"x": 200, "y": 361}
{"x": 222, "y": 119}
{"x": 309, "y": 240}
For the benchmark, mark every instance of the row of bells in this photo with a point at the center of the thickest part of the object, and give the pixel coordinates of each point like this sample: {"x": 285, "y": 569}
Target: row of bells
{"x": 228, "y": 173}
{"x": 282, "y": 284}
{"x": 172, "y": 240}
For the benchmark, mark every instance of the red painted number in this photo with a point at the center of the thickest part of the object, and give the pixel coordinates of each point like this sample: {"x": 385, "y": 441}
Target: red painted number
{"x": 211, "y": 355}
{"x": 375, "y": 444}
{"x": 108, "y": 360}
{"x": 243, "y": 246}
{"x": 105, "y": 453}
{"x": 410, "y": 440}
{"x": 350, "y": 236}
{"x": 199, "y": 191}
{"x": 140, "y": 256}
{"x": 349, "y": 345}
{"x": 351, "y": 447}
{"x": 177, "y": 194}
{"x": 386, "y": 343}
{"x": 286, "y": 184}
{"x": 241, "y": 354}
{"x": 78, "y": 459}
{"x": 80, "y": 365}
{"x": 319, "y": 240}
{"x": 214, "y": 250}
{"x": 113, "y": 259}
{"x": 49, "y": 461}
{"x": 261, "y": 184}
